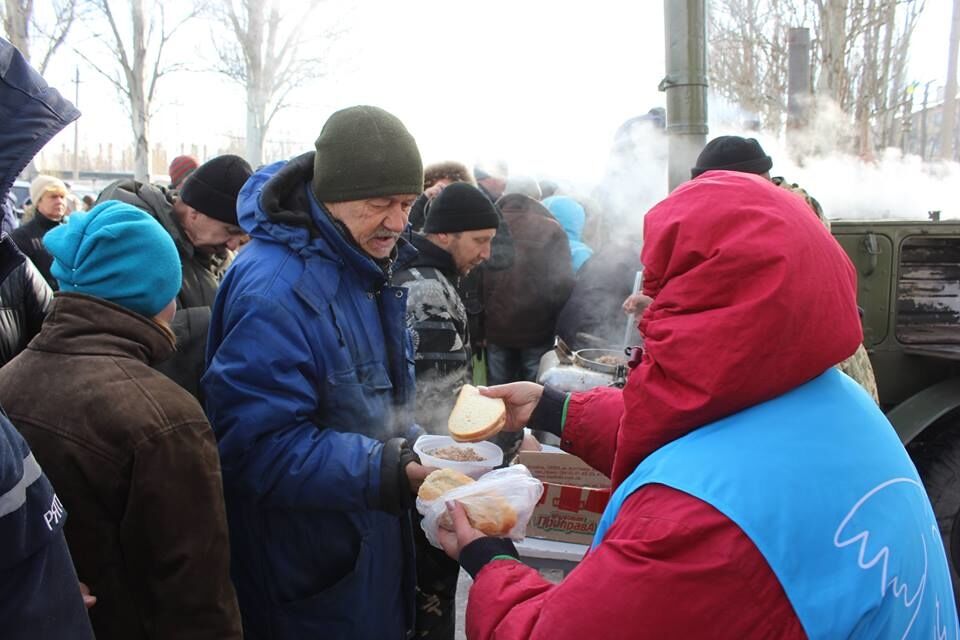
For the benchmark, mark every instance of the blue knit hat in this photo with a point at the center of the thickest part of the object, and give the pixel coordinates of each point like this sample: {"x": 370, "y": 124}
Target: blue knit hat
{"x": 119, "y": 253}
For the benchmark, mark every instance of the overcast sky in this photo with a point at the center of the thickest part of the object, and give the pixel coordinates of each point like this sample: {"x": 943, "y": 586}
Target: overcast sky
{"x": 541, "y": 83}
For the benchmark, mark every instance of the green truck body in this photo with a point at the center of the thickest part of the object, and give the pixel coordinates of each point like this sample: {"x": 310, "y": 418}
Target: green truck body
{"x": 909, "y": 289}
{"x": 908, "y": 275}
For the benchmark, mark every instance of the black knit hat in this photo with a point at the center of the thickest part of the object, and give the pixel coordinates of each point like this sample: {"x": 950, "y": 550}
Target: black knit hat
{"x": 460, "y": 207}
{"x": 213, "y": 187}
{"x": 732, "y": 153}
{"x": 365, "y": 152}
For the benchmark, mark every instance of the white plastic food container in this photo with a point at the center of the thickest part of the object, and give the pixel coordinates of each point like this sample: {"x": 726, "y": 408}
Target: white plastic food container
{"x": 491, "y": 453}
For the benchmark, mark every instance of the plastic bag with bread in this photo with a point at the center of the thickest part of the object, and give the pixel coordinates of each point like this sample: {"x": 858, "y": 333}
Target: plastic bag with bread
{"x": 500, "y": 503}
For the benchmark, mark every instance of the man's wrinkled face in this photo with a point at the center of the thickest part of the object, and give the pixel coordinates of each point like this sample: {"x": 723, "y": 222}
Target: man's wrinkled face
{"x": 375, "y": 223}
{"x": 211, "y": 236}
{"x": 469, "y": 248}
{"x": 52, "y": 205}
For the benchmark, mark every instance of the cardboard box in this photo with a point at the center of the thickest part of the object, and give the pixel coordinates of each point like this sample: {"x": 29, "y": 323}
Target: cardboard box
{"x": 574, "y": 497}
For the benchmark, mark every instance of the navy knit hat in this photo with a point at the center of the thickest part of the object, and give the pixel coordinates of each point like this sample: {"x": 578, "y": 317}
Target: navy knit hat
{"x": 213, "y": 187}
{"x": 732, "y": 153}
{"x": 119, "y": 253}
{"x": 460, "y": 207}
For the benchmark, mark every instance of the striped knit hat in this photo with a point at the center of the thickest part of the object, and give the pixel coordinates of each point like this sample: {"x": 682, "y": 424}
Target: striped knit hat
{"x": 180, "y": 168}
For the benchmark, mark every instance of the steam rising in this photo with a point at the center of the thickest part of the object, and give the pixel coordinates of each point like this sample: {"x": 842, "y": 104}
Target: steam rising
{"x": 891, "y": 185}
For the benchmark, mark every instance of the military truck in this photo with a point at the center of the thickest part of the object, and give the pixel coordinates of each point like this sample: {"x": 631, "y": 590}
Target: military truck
{"x": 909, "y": 289}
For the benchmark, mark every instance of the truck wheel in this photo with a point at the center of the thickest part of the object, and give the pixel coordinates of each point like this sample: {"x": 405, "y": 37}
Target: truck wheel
{"x": 938, "y": 462}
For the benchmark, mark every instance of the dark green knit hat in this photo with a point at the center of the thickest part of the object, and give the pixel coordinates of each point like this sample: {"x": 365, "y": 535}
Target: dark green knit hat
{"x": 365, "y": 152}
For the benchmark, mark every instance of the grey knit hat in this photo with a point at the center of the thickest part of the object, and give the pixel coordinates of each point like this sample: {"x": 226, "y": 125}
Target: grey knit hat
{"x": 365, "y": 152}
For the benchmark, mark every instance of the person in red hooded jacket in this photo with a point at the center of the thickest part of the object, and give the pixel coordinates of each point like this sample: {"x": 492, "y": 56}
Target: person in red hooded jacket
{"x": 753, "y": 305}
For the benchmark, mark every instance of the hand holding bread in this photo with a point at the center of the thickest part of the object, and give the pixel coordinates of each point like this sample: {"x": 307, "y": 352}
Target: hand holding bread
{"x": 488, "y": 513}
{"x": 499, "y": 503}
{"x": 476, "y": 417}
{"x": 519, "y": 399}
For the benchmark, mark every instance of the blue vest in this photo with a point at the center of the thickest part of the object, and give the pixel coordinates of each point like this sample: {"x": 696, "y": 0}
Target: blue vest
{"x": 820, "y": 483}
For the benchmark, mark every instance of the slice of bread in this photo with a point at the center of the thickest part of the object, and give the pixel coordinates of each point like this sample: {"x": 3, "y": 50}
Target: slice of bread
{"x": 476, "y": 417}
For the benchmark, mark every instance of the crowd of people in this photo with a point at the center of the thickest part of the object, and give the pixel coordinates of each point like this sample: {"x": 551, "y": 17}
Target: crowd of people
{"x": 207, "y": 430}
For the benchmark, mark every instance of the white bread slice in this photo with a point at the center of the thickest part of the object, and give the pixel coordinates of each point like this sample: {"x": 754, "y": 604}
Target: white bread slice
{"x": 476, "y": 417}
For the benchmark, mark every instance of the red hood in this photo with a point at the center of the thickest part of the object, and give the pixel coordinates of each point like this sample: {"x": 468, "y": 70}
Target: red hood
{"x": 752, "y": 297}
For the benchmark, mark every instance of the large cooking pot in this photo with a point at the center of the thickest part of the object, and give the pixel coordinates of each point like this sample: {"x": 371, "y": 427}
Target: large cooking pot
{"x": 603, "y": 360}
{"x": 581, "y": 370}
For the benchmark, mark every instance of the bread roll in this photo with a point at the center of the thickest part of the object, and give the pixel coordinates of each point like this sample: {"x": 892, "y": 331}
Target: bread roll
{"x": 489, "y": 513}
{"x": 440, "y": 481}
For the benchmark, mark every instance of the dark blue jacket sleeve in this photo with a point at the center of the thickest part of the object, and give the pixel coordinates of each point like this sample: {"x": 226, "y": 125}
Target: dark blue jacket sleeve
{"x": 32, "y": 113}
{"x": 39, "y": 590}
{"x": 261, "y": 389}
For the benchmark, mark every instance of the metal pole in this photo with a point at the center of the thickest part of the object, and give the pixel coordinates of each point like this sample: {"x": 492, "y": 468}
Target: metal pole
{"x": 685, "y": 84}
{"x": 923, "y": 122}
{"x": 76, "y": 127}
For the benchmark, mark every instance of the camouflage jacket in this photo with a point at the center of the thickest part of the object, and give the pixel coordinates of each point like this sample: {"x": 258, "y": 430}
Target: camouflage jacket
{"x": 441, "y": 336}
{"x": 858, "y": 365}
{"x": 438, "y": 320}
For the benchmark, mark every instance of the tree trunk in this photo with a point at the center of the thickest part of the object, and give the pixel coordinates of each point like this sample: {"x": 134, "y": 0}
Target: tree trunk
{"x": 833, "y": 18}
{"x": 141, "y": 141}
{"x": 16, "y": 22}
{"x": 950, "y": 94}
{"x": 251, "y": 42}
{"x": 255, "y": 109}
{"x": 887, "y": 90}
{"x": 139, "y": 103}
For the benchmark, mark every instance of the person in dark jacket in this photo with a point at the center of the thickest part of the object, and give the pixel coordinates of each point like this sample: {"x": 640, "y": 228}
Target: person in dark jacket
{"x": 24, "y": 300}
{"x": 459, "y": 230}
{"x": 592, "y": 317}
{"x": 49, "y": 208}
{"x": 40, "y": 594}
{"x": 130, "y": 452}
{"x": 201, "y": 218}
{"x": 521, "y": 303}
{"x": 457, "y": 238}
{"x": 438, "y": 176}
{"x": 310, "y": 388}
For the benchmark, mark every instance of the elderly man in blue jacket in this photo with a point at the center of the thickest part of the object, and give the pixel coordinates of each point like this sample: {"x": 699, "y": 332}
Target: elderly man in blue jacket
{"x": 310, "y": 387}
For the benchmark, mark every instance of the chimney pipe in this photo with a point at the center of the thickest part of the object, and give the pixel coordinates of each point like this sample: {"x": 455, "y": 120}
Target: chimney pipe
{"x": 799, "y": 89}
{"x": 685, "y": 84}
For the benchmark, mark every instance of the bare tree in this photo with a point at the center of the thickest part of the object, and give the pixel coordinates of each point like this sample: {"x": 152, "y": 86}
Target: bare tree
{"x": 950, "y": 91}
{"x": 266, "y": 58}
{"x": 749, "y": 54}
{"x": 858, "y": 60}
{"x": 19, "y": 18}
{"x": 140, "y": 65}
{"x": 16, "y": 24}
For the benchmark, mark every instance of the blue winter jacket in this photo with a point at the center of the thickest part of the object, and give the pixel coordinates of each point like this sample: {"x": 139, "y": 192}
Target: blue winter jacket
{"x": 572, "y": 217}
{"x": 309, "y": 388}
